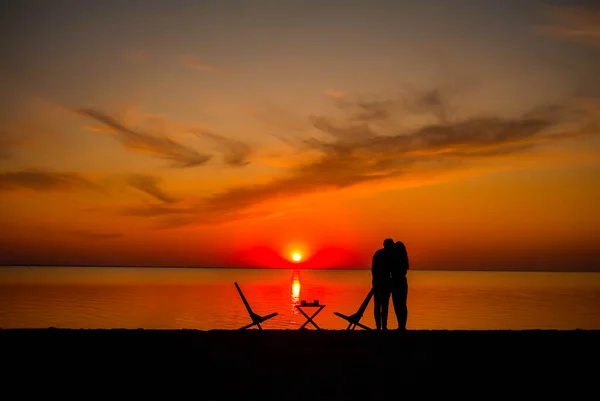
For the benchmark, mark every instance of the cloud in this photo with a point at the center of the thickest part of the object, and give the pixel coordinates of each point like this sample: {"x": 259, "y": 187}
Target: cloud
{"x": 354, "y": 154}
{"x": 433, "y": 102}
{"x": 356, "y": 160}
{"x": 579, "y": 24}
{"x": 150, "y": 185}
{"x": 335, "y": 94}
{"x": 43, "y": 181}
{"x": 197, "y": 216}
{"x": 340, "y": 98}
{"x": 159, "y": 146}
{"x": 371, "y": 111}
{"x": 157, "y": 210}
{"x": 194, "y": 63}
{"x": 235, "y": 153}
{"x": 347, "y": 132}
{"x": 93, "y": 235}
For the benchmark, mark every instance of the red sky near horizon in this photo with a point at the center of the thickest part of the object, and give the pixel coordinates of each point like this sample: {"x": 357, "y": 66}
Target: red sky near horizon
{"x": 237, "y": 134}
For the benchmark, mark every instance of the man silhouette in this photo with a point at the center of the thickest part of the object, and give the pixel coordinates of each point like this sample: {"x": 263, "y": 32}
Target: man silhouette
{"x": 381, "y": 266}
{"x": 399, "y": 283}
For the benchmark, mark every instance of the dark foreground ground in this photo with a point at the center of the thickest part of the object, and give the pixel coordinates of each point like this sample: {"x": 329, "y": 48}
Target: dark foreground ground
{"x": 298, "y": 365}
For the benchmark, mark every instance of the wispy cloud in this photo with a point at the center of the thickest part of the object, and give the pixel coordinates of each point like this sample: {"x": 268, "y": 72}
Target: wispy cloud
{"x": 336, "y": 94}
{"x": 200, "y": 217}
{"x": 579, "y": 24}
{"x": 95, "y": 235}
{"x": 158, "y": 210}
{"x": 138, "y": 141}
{"x": 235, "y": 153}
{"x": 43, "y": 181}
{"x": 150, "y": 185}
{"x": 354, "y": 154}
{"x": 195, "y": 63}
{"x": 354, "y": 160}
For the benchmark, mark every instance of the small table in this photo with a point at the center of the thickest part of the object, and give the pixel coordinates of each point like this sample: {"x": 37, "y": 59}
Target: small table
{"x": 309, "y": 319}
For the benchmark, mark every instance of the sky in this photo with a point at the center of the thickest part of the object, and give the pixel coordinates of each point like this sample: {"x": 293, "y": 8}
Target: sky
{"x": 237, "y": 133}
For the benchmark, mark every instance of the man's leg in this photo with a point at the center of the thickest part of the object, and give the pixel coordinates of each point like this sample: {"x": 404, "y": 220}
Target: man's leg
{"x": 385, "y": 305}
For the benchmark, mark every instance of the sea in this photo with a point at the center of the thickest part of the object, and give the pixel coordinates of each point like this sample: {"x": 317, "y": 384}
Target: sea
{"x": 207, "y": 298}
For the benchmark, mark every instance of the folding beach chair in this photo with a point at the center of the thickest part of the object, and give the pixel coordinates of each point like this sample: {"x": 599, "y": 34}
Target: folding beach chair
{"x": 354, "y": 319}
{"x": 256, "y": 318}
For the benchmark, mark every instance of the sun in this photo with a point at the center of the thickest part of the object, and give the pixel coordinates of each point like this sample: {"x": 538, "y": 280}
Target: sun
{"x": 296, "y": 257}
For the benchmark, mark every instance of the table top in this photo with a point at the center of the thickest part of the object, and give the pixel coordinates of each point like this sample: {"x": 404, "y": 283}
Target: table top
{"x": 310, "y": 306}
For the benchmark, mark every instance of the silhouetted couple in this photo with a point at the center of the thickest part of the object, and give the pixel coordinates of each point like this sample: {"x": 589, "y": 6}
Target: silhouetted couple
{"x": 388, "y": 269}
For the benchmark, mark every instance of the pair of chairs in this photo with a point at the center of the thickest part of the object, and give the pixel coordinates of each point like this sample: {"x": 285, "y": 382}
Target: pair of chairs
{"x": 353, "y": 319}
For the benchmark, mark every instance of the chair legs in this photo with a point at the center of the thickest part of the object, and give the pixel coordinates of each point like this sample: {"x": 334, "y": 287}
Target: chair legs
{"x": 250, "y": 325}
{"x": 354, "y": 319}
{"x": 256, "y": 318}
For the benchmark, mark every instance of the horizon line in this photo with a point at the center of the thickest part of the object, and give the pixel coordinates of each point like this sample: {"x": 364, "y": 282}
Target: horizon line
{"x": 285, "y": 268}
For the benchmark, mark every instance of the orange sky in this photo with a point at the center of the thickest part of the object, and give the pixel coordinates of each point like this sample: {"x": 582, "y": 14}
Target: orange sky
{"x": 215, "y": 136}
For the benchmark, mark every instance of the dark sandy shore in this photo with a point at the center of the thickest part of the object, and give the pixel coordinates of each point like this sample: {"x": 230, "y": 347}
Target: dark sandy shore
{"x": 307, "y": 364}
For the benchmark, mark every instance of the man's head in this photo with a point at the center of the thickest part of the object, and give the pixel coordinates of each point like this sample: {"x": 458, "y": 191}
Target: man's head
{"x": 388, "y": 243}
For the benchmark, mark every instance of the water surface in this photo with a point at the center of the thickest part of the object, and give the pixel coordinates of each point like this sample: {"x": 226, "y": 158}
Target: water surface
{"x": 174, "y": 298}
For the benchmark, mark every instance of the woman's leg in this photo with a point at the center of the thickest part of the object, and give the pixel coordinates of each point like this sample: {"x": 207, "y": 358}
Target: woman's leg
{"x": 399, "y": 298}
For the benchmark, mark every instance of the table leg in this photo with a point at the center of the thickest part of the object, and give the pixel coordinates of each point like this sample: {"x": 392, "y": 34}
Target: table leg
{"x": 309, "y": 319}
{"x": 306, "y": 316}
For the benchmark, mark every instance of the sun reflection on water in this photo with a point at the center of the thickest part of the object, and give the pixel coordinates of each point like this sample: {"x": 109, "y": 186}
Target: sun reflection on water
{"x": 295, "y": 291}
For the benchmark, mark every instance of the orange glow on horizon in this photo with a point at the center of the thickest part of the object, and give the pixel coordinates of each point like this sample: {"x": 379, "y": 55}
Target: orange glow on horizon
{"x": 325, "y": 257}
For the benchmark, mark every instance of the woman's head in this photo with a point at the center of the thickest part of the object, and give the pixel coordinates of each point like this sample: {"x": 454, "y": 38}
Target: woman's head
{"x": 399, "y": 245}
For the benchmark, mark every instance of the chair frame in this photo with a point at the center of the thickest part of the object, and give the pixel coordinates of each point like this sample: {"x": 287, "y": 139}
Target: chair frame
{"x": 354, "y": 319}
{"x": 256, "y": 318}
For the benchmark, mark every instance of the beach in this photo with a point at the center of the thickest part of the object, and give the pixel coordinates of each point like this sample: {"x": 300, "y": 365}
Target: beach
{"x": 303, "y": 364}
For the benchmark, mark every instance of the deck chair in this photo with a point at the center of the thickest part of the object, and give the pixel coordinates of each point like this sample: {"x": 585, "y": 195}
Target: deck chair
{"x": 256, "y": 318}
{"x": 354, "y": 319}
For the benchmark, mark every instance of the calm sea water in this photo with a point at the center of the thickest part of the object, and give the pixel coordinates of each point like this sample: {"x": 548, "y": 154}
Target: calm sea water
{"x": 180, "y": 298}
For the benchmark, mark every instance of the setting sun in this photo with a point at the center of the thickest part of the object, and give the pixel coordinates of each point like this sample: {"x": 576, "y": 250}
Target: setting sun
{"x": 296, "y": 257}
